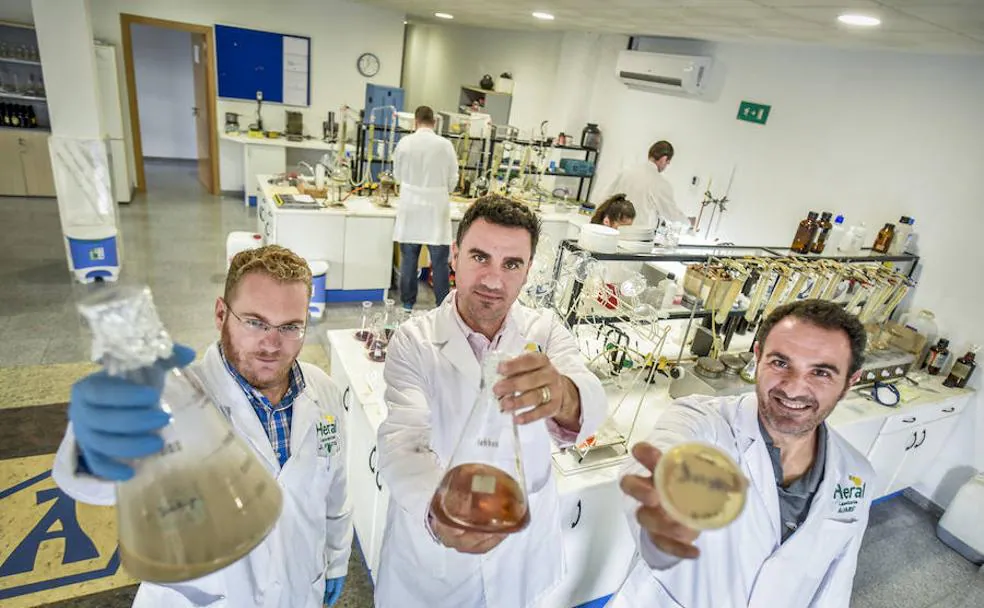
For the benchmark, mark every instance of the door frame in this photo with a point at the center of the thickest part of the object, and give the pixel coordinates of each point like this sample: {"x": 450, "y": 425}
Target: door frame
{"x": 127, "y": 20}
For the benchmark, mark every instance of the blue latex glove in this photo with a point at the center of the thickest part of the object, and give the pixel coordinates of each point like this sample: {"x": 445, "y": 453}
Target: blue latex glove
{"x": 333, "y": 590}
{"x": 116, "y": 419}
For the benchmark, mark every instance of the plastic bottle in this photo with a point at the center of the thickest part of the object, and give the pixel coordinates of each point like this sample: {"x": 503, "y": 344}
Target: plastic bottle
{"x": 853, "y": 240}
{"x": 823, "y": 234}
{"x": 666, "y": 290}
{"x": 884, "y": 238}
{"x": 836, "y": 234}
{"x": 923, "y": 321}
{"x": 903, "y": 230}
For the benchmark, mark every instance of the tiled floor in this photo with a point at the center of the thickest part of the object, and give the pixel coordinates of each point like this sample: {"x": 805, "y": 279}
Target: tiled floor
{"x": 174, "y": 241}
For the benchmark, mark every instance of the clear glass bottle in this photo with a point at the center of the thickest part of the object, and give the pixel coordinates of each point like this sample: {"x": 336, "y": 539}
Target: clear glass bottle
{"x": 484, "y": 488}
{"x": 364, "y": 331}
{"x": 205, "y": 500}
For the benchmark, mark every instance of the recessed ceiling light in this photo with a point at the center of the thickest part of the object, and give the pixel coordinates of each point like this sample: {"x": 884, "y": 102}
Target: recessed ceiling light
{"x": 444, "y": 15}
{"x": 859, "y": 20}
{"x": 544, "y": 16}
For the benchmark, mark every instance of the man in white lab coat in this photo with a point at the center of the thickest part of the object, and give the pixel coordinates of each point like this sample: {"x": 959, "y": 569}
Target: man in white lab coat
{"x": 796, "y": 542}
{"x": 288, "y": 412}
{"x": 427, "y": 168}
{"x": 649, "y": 191}
{"x": 432, "y": 377}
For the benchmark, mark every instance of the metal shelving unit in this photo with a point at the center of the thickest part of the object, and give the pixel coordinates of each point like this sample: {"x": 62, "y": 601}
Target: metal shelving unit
{"x": 702, "y": 254}
{"x": 585, "y": 182}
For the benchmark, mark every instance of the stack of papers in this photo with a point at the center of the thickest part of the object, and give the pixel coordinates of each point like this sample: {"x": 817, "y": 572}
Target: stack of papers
{"x": 296, "y": 201}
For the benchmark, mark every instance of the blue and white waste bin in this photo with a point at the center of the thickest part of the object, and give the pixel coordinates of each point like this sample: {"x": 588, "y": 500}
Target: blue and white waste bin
{"x": 93, "y": 253}
{"x": 319, "y": 282}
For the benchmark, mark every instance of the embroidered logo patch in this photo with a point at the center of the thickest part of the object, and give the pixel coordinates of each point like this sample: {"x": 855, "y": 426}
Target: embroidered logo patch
{"x": 849, "y": 495}
{"x": 327, "y": 435}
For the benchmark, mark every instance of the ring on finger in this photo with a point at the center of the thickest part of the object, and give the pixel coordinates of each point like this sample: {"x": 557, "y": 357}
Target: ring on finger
{"x": 545, "y": 395}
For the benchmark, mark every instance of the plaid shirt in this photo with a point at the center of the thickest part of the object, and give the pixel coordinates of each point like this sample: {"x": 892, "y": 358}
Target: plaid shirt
{"x": 275, "y": 419}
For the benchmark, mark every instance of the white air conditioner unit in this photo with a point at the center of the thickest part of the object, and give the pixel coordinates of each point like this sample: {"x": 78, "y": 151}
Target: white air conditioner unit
{"x": 685, "y": 74}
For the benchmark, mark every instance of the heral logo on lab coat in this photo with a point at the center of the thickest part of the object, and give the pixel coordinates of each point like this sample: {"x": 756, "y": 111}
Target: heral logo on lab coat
{"x": 327, "y": 435}
{"x": 848, "y": 495}
{"x": 50, "y": 544}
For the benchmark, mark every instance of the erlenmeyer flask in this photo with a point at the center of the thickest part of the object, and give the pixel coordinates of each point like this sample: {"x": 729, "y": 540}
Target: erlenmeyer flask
{"x": 484, "y": 489}
{"x": 363, "y": 333}
{"x": 379, "y": 339}
{"x": 203, "y": 502}
{"x": 390, "y": 318}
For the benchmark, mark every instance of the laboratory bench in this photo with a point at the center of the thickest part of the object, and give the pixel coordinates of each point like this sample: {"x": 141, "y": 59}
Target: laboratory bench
{"x": 906, "y": 445}
{"x": 356, "y": 239}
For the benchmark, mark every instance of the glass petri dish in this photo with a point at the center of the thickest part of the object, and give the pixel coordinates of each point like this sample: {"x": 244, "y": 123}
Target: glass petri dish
{"x": 700, "y": 486}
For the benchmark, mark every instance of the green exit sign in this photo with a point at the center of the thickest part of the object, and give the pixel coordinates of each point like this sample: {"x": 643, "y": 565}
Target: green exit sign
{"x": 753, "y": 112}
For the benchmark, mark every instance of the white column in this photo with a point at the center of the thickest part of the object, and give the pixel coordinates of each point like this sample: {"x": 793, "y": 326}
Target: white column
{"x": 78, "y": 149}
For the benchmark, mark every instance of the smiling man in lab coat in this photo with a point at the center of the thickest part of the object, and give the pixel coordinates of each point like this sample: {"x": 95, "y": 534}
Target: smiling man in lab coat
{"x": 427, "y": 168}
{"x": 796, "y": 542}
{"x": 432, "y": 377}
{"x": 286, "y": 410}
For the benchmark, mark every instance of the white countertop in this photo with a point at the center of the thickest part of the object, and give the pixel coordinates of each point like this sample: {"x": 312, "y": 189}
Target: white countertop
{"x": 366, "y": 380}
{"x": 362, "y": 206}
{"x": 283, "y": 142}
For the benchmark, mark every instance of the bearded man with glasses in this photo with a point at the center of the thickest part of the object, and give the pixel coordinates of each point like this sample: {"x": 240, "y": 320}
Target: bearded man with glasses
{"x": 289, "y": 412}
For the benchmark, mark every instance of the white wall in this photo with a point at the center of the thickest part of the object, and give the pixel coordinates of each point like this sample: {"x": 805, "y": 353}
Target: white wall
{"x": 872, "y": 135}
{"x": 340, "y": 31}
{"x": 162, "y": 60}
{"x": 440, "y": 58}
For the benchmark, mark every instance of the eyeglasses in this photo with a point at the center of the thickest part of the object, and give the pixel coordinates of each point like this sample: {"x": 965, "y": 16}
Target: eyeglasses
{"x": 289, "y": 331}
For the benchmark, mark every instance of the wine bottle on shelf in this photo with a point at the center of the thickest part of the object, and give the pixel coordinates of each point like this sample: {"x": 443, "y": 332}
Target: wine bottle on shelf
{"x": 14, "y": 117}
{"x": 32, "y": 118}
{"x": 4, "y": 117}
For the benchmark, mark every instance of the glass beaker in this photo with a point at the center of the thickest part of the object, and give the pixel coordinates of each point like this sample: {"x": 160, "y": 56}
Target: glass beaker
{"x": 363, "y": 333}
{"x": 205, "y": 500}
{"x": 484, "y": 488}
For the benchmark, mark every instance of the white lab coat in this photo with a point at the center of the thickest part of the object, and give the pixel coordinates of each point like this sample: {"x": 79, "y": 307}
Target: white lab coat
{"x": 313, "y": 537}
{"x": 432, "y": 380}
{"x": 650, "y": 193}
{"x": 427, "y": 168}
{"x": 744, "y": 564}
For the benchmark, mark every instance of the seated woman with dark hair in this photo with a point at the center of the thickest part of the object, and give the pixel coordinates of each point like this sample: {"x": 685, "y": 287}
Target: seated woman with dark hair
{"x": 614, "y": 212}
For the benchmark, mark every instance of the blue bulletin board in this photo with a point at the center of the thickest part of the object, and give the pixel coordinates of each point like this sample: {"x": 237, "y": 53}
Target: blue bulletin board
{"x": 276, "y": 64}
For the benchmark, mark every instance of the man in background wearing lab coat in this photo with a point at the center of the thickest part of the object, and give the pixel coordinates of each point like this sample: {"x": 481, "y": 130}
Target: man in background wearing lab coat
{"x": 427, "y": 168}
{"x": 796, "y": 542}
{"x": 649, "y": 191}
{"x": 289, "y": 412}
{"x": 432, "y": 376}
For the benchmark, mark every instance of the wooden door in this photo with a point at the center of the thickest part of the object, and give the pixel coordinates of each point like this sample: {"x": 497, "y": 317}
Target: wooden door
{"x": 201, "y": 59}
